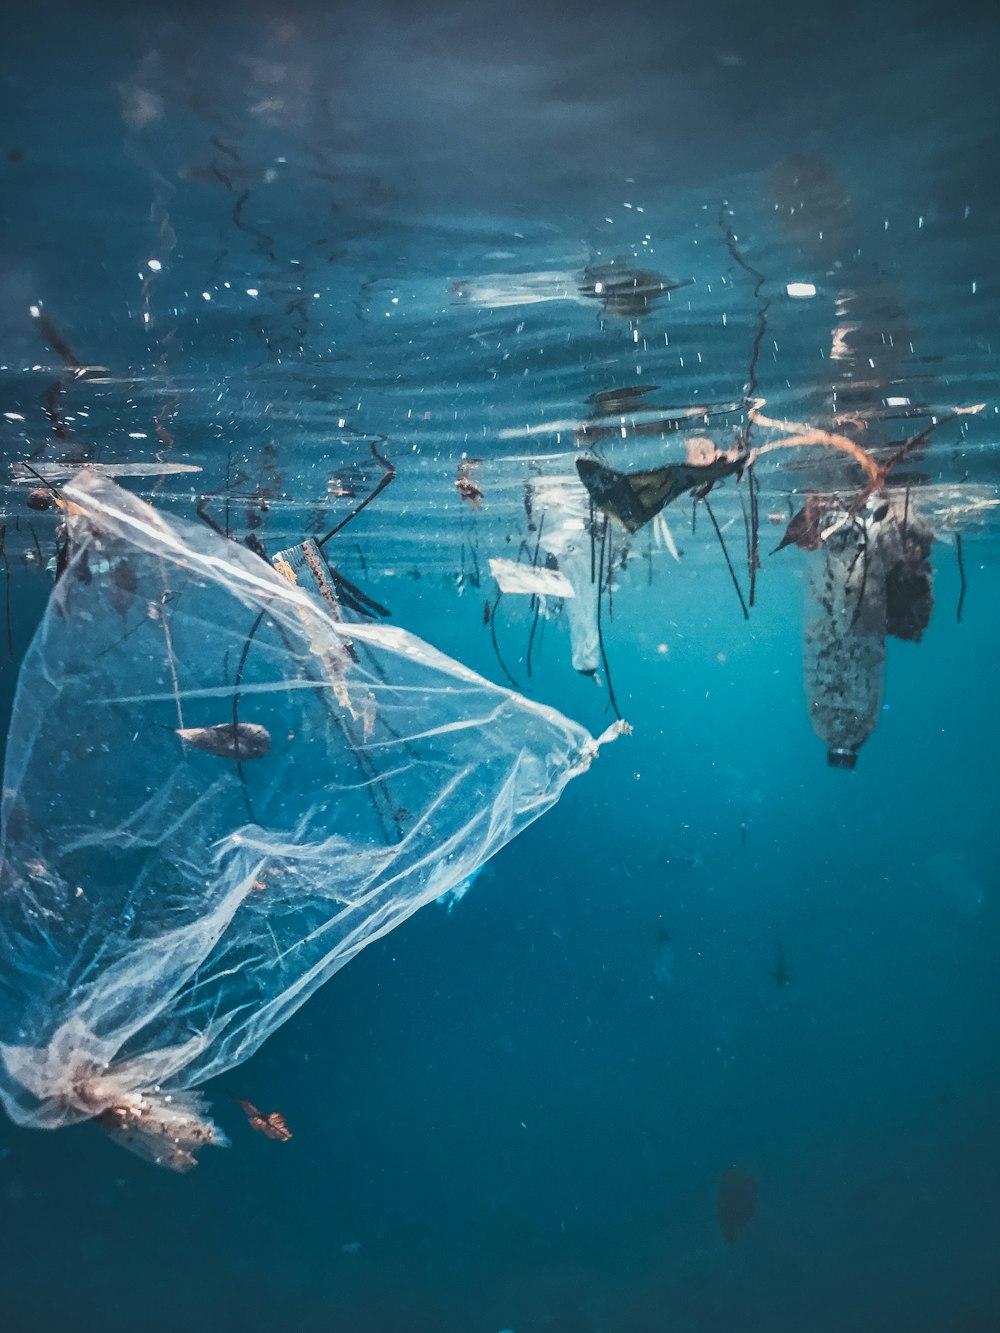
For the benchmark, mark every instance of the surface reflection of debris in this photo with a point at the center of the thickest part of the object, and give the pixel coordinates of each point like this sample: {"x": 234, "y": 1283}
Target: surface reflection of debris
{"x": 626, "y": 292}
{"x": 626, "y": 412}
{"x": 58, "y": 472}
{"x": 622, "y": 290}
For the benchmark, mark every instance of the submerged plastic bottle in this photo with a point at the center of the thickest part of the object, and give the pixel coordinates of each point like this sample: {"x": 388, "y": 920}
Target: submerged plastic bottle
{"x": 844, "y": 657}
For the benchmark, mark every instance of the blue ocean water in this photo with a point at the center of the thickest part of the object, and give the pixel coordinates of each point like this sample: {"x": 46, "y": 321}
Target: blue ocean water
{"x": 259, "y": 244}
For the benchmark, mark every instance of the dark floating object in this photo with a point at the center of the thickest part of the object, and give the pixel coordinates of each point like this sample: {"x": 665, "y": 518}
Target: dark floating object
{"x": 909, "y": 588}
{"x": 626, "y": 399}
{"x": 273, "y": 1126}
{"x": 782, "y": 976}
{"x": 633, "y": 498}
{"x": 39, "y": 498}
{"x": 804, "y": 529}
{"x": 229, "y": 740}
{"x": 626, "y": 411}
{"x": 736, "y": 1202}
{"x": 625, "y": 291}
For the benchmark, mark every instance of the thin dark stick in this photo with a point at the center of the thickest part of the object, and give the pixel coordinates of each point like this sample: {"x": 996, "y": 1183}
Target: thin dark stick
{"x": 863, "y": 553}
{"x": 961, "y": 575}
{"x": 38, "y": 547}
{"x": 390, "y": 474}
{"x": 751, "y": 391}
{"x": 202, "y": 511}
{"x": 729, "y": 563}
{"x": 6, "y": 565}
{"x": 600, "y": 633}
{"x": 754, "y": 533}
{"x": 531, "y": 636}
{"x": 593, "y": 558}
{"x": 236, "y": 711}
{"x": 536, "y": 604}
{"x": 496, "y": 646}
{"x": 47, "y": 484}
{"x": 746, "y": 530}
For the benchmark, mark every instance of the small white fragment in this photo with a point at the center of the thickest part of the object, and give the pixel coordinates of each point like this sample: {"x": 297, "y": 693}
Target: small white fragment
{"x": 512, "y": 577}
{"x": 800, "y": 291}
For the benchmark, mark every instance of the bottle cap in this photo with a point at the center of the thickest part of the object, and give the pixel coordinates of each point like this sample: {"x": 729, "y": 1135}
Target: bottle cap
{"x": 841, "y": 758}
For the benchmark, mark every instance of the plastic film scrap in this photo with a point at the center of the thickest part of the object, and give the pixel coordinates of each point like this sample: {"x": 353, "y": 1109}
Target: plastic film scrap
{"x": 217, "y": 791}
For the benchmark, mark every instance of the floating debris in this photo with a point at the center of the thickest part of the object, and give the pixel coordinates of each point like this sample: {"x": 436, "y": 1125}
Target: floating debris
{"x": 273, "y": 1126}
{"x": 23, "y": 472}
{"x": 633, "y": 498}
{"x": 399, "y": 773}
{"x": 624, "y": 291}
{"x": 538, "y": 580}
{"x": 466, "y": 484}
{"x": 229, "y": 740}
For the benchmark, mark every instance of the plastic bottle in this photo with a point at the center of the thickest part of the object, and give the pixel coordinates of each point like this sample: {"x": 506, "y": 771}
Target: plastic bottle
{"x": 844, "y": 656}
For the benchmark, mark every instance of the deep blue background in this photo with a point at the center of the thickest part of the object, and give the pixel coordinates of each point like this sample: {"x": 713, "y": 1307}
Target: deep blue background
{"x": 504, "y": 1117}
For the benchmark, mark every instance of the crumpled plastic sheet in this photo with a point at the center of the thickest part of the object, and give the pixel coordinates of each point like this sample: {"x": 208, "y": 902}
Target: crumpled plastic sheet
{"x": 561, "y": 506}
{"x": 216, "y": 793}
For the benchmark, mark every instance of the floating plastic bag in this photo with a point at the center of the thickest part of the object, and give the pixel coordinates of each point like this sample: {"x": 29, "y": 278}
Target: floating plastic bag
{"x": 216, "y": 793}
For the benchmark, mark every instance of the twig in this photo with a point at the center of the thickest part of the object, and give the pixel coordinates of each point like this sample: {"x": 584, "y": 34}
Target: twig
{"x": 390, "y": 473}
{"x": 600, "y": 632}
{"x": 496, "y": 646}
{"x": 961, "y": 575}
{"x": 6, "y": 566}
{"x": 729, "y": 563}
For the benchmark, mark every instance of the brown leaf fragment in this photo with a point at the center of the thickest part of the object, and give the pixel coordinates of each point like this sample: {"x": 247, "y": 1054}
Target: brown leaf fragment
{"x": 806, "y": 526}
{"x": 229, "y": 740}
{"x": 272, "y": 1126}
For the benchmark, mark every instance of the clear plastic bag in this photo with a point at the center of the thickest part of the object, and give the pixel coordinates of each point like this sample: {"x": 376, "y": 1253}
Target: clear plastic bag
{"x": 217, "y": 793}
